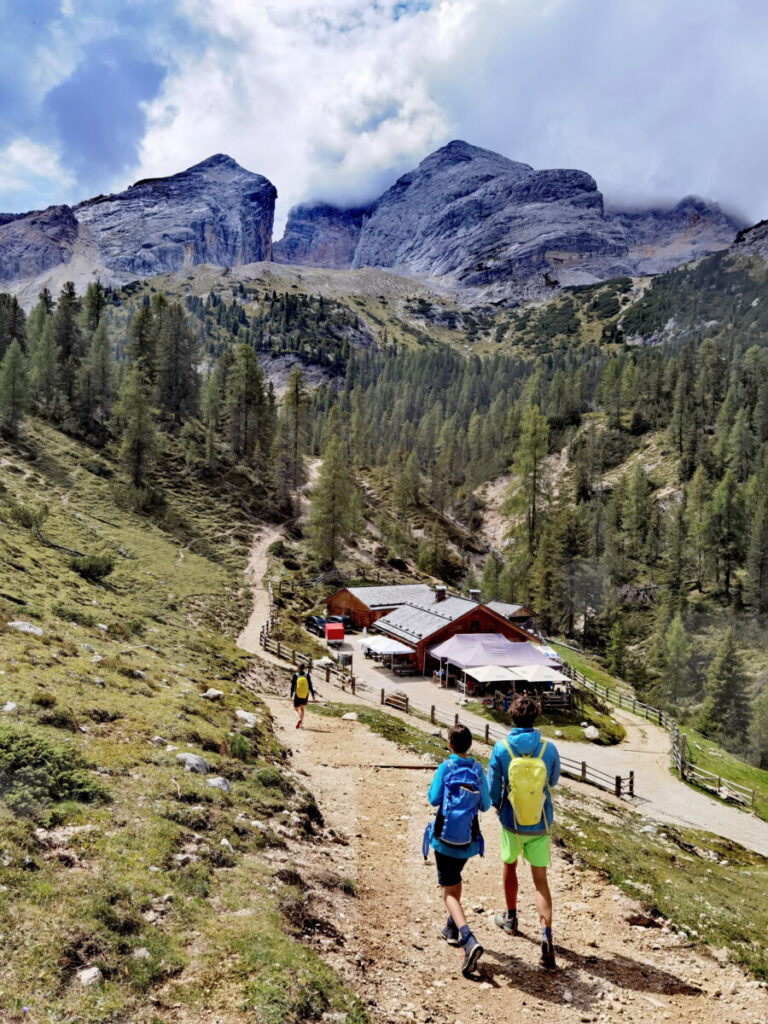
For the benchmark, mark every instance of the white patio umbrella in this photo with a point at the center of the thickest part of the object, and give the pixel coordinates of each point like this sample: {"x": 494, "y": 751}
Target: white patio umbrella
{"x": 492, "y": 674}
{"x": 539, "y": 674}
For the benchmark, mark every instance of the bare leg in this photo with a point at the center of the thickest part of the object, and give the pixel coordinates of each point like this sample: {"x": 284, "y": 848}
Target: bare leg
{"x": 510, "y": 884}
{"x": 452, "y": 900}
{"x": 543, "y": 896}
{"x": 301, "y": 716}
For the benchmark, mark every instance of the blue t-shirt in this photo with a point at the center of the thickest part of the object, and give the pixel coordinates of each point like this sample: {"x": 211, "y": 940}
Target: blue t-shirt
{"x": 526, "y": 742}
{"x": 435, "y": 797}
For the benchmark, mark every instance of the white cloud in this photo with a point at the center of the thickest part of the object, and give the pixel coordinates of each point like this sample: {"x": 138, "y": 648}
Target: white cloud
{"x": 334, "y": 98}
{"x": 30, "y": 172}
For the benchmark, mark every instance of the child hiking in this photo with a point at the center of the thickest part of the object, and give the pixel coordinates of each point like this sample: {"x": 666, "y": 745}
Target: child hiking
{"x": 301, "y": 688}
{"x": 522, "y": 770}
{"x": 460, "y": 791}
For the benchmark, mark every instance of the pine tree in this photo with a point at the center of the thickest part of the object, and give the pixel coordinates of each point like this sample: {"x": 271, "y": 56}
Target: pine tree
{"x": 135, "y": 416}
{"x": 726, "y": 529}
{"x": 725, "y": 715}
{"x": 14, "y": 389}
{"x": 292, "y": 438}
{"x": 44, "y": 372}
{"x": 758, "y": 730}
{"x": 677, "y": 660}
{"x": 176, "y": 378}
{"x": 95, "y": 387}
{"x": 528, "y": 493}
{"x": 757, "y": 549}
{"x": 94, "y": 304}
{"x": 245, "y": 404}
{"x": 616, "y": 648}
{"x": 332, "y": 509}
{"x": 142, "y": 331}
{"x": 68, "y": 340}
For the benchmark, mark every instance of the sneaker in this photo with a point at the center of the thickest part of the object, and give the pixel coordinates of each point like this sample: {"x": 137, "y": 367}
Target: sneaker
{"x": 472, "y": 953}
{"x": 507, "y": 922}
{"x": 450, "y": 933}
{"x": 547, "y": 955}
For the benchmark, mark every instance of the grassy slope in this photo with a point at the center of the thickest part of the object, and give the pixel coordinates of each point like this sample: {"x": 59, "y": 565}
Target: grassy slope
{"x": 162, "y": 865}
{"x": 708, "y": 887}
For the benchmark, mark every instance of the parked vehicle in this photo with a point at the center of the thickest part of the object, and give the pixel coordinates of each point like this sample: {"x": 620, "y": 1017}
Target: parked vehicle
{"x": 345, "y": 620}
{"x": 334, "y": 634}
{"x": 315, "y": 624}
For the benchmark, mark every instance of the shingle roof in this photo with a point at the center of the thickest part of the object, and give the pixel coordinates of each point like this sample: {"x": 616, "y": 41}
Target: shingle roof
{"x": 394, "y": 595}
{"x": 502, "y": 608}
{"x": 412, "y": 622}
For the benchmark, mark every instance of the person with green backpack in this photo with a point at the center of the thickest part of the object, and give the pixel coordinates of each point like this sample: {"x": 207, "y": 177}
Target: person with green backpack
{"x": 522, "y": 770}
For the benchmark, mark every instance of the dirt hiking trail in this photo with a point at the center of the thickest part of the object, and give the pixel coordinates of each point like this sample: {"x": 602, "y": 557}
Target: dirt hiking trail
{"x": 387, "y": 946}
{"x": 645, "y": 750}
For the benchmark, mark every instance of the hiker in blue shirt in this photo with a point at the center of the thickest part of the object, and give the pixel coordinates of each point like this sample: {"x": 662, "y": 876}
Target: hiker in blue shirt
{"x": 460, "y": 790}
{"x": 533, "y": 841}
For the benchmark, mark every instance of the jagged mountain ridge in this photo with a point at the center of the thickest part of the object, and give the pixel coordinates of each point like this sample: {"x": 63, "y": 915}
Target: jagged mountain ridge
{"x": 478, "y": 220}
{"x": 465, "y": 218}
{"x": 215, "y": 212}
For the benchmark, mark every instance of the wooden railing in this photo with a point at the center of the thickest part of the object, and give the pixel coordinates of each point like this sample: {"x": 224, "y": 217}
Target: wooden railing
{"x": 489, "y": 734}
{"x": 731, "y": 792}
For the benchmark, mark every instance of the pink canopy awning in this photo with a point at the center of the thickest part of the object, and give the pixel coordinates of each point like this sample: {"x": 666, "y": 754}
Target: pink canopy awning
{"x": 472, "y": 649}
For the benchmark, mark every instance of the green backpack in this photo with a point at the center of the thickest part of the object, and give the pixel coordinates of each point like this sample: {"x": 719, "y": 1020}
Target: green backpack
{"x": 527, "y": 785}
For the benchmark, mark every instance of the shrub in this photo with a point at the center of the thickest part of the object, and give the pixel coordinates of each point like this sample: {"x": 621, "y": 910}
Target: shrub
{"x": 239, "y": 746}
{"x": 92, "y": 567}
{"x": 34, "y": 773}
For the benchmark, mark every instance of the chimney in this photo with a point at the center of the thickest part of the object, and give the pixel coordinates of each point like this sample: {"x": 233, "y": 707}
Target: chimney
{"x": 474, "y": 595}
{"x": 439, "y": 594}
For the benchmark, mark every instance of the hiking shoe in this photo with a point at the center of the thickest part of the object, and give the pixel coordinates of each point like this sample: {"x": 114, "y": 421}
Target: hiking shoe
{"x": 547, "y": 955}
{"x": 507, "y": 922}
{"x": 472, "y": 953}
{"x": 450, "y": 933}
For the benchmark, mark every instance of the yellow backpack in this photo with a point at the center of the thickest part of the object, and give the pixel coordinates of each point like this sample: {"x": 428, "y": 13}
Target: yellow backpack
{"x": 527, "y": 785}
{"x": 302, "y": 687}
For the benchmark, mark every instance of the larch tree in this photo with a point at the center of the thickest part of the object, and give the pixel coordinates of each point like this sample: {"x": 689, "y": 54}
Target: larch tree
{"x": 135, "y": 417}
{"x": 726, "y": 712}
{"x": 527, "y": 496}
{"x": 332, "y": 509}
{"x": 14, "y": 389}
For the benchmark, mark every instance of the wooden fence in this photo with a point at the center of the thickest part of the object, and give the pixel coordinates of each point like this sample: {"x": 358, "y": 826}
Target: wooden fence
{"x": 729, "y": 791}
{"x": 337, "y": 676}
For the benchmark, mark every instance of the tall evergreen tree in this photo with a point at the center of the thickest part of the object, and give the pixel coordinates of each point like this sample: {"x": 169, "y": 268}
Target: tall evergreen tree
{"x": 725, "y": 715}
{"x": 245, "y": 405}
{"x": 677, "y": 661}
{"x": 332, "y": 509}
{"x": 14, "y": 389}
{"x": 69, "y": 342}
{"x": 95, "y": 387}
{"x": 528, "y": 492}
{"x": 44, "y": 372}
{"x": 176, "y": 378}
{"x": 138, "y": 436}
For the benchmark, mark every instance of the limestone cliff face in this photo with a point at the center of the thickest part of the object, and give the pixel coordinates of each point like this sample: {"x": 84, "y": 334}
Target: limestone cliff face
{"x": 33, "y": 242}
{"x": 484, "y": 221}
{"x": 753, "y": 241}
{"x": 215, "y": 212}
{"x": 320, "y": 236}
{"x": 660, "y": 239}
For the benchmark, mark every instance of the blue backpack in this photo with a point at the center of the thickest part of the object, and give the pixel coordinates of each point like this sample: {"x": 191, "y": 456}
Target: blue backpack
{"x": 456, "y": 822}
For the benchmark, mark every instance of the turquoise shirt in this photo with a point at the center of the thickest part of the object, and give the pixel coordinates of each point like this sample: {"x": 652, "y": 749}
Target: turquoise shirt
{"x": 435, "y": 797}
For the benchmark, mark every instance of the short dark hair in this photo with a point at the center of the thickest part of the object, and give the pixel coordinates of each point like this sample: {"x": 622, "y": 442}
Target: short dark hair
{"x": 524, "y": 711}
{"x": 460, "y": 738}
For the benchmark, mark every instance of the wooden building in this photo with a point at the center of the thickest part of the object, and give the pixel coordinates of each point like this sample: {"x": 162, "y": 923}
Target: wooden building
{"x": 422, "y": 626}
{"x": 364, "y": 605}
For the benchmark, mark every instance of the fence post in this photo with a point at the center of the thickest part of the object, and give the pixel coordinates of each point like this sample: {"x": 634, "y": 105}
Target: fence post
{"x": 353, "y": 686}
{"x": 382, "y": 695}
{"x": 279, "y": 649}
{"x": 406, "y": 705}
{"x": 456, "y": 719}
{"x": 683, "y": 748}
{"x": 327, "y": 673}
{"x": 432, "y": 714}
{"x": 487, "y": 731}
{"x": 583, "y": 771}
{"x": 660, "y": 715}
{"x": 293, "y": 657}
{"x": 618, "y": 785}
{"x": 634, "y": 705}
{"x": 631, "y": 783}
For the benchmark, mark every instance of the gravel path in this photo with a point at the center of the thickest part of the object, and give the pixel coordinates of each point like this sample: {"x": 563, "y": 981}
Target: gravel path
{"x": 645, "y": 750}
{"x": 387, "y": 946}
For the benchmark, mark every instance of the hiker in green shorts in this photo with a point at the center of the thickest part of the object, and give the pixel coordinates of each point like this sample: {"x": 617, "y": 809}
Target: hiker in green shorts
{"x": 521, "y": 773}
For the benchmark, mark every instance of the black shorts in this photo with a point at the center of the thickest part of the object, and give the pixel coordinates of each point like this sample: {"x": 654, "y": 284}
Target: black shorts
{"x": 299, "y": 702}
{"x": 449, "y": 868}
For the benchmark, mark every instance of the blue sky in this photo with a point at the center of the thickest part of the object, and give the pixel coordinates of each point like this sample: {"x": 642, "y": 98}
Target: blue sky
{"x": 333, "y": 99}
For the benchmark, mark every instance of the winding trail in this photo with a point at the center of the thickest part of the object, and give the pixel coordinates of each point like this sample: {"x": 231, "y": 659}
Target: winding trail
{"x": 386, "y": 943}
{"x": 645, "y": 750}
